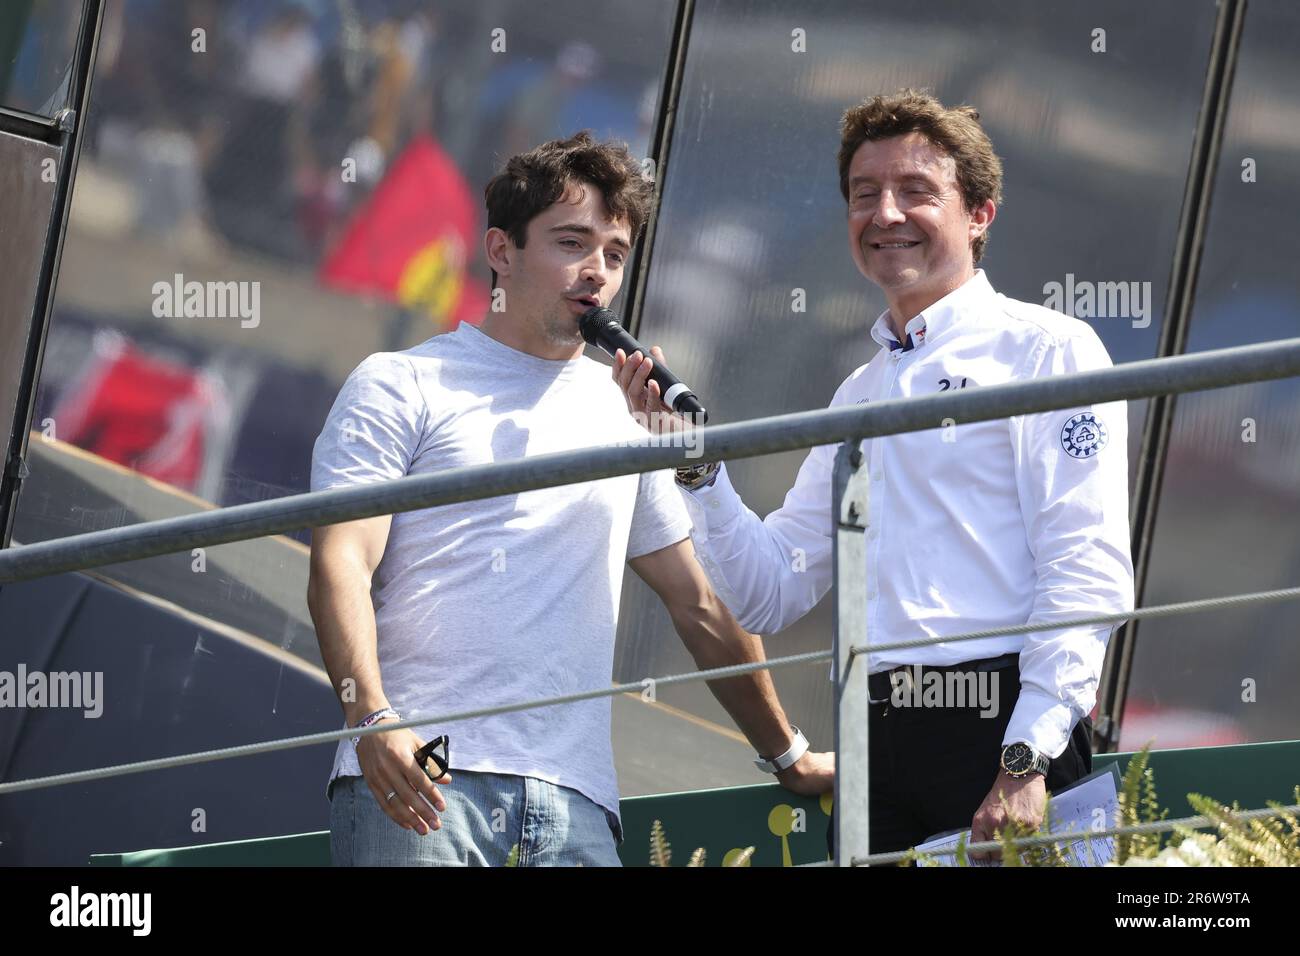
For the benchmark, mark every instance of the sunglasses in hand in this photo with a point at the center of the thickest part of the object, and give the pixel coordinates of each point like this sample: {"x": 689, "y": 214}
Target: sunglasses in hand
{"x": 439, "y": 751}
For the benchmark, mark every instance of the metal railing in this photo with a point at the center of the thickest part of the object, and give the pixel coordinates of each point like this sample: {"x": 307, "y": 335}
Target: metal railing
{"x": 848, "y": 425}
{"x": 715, "y": 673}
{"x": 762, "y": 436}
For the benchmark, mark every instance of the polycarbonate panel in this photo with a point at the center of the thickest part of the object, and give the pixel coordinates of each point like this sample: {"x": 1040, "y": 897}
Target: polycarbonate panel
{"x": 28, "y": 172}
{"x": 38, "y": 40}
{"x": 1229, "y": 515}
{"x": 238, "y": 149}
{"x": 316, "y": 172}
{"x": 1092, "y": 108}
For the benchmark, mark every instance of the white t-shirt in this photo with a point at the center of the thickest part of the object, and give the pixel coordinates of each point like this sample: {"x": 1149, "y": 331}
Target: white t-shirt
{"x": 504, "y": 599}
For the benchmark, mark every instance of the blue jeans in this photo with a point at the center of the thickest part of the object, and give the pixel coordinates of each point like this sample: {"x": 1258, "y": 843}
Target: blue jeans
{"x": 487, "y": 814}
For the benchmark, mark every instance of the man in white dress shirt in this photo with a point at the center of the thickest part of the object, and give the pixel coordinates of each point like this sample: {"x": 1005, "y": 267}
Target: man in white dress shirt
{"x": 970, "y": 526}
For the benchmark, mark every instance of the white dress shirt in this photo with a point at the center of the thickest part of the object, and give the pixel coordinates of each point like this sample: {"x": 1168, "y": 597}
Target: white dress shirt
{"x": 969, "y": 527}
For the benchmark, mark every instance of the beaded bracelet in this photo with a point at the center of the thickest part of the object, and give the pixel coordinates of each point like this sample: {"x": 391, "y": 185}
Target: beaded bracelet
{"x": 374, "y": 718}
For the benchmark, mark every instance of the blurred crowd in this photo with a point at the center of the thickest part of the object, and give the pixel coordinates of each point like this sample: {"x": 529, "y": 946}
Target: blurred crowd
{"x": 239, "y": 114}
{"x": 337, "y": 145}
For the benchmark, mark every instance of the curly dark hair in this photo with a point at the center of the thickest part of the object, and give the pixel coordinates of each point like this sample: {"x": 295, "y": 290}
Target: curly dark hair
{"x": 531, "y": 182}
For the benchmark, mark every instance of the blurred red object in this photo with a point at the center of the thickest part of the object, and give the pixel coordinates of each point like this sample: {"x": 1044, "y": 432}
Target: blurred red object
{"x": 411, "y": 241}
{"x": 1171, "y": 728}
{"x": 146, "y": 413}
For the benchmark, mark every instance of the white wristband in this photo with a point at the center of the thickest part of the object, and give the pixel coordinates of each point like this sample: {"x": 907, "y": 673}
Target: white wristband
{"x": 798, "y": 747}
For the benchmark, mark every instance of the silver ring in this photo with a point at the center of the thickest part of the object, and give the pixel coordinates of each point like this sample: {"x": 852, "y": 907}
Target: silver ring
{"x": 391, "y": 794}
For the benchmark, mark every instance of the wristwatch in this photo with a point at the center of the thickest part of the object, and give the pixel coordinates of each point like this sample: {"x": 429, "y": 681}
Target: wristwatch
{"x": 1019, "y": 760}
{"x": 798, "y": 747}
{"x": 692, "y": 477}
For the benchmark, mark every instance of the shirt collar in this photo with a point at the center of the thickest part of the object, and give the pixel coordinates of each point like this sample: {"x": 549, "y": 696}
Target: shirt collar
{"x": 933, "y": 321}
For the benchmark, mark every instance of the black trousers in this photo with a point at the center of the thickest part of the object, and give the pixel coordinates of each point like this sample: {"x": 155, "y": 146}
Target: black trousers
{"x": 931, "y": 767}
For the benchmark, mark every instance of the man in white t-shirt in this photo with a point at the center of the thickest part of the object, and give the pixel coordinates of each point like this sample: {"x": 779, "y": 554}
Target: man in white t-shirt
{"x": 515, "y": 597}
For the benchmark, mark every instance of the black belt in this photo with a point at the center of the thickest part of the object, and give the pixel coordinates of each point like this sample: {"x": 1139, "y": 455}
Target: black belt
{"x": 880, "y": 685}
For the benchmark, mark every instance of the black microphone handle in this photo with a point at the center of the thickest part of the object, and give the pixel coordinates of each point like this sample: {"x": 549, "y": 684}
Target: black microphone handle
{"x": 674, "y": 392}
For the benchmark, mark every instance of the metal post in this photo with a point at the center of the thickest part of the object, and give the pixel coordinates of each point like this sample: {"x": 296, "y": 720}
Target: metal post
{"x": 849, "y": 504}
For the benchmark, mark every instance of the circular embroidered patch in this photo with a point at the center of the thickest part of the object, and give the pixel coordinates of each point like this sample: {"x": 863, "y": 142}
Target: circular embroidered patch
{"x": 1083, "y": 436}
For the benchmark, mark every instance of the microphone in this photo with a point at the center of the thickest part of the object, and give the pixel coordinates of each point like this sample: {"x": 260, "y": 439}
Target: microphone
{"x": 601, "y": 328}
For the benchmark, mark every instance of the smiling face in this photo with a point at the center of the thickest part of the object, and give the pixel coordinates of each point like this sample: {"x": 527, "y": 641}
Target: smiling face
{"x": 909, "y": 229}
{"x": 572, "y": 259}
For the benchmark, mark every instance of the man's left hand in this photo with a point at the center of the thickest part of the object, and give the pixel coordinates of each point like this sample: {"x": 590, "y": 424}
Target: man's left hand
{"x": 1026, "y": 799}
{"x": 811, "y": 775}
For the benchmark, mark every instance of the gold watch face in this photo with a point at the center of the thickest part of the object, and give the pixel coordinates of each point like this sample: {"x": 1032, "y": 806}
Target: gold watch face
{"x": 1017, "y": 759}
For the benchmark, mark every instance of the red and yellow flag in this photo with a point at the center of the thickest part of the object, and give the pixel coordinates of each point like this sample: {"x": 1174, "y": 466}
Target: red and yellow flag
{"x": 412, "y": 240}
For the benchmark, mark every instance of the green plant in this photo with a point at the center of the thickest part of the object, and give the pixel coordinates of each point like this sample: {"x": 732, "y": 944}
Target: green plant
{"x": 661, "y": 852}
{"x": 1138, "y": 804}
{"x": 1273, "y": 841}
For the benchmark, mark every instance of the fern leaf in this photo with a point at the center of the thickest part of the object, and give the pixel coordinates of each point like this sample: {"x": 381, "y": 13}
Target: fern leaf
{"x": 742, "y": 858}
{"x": 661, "y": 853}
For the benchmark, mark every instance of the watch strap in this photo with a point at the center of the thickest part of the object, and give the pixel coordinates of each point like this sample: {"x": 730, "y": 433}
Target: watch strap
{"x": 798, "y": 747}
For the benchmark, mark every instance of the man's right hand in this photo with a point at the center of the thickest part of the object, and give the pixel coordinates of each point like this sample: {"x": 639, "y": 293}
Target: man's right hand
{"x": 388, "y": 764}
{"x": 812, "y": 775}
{"x": 646, "y": 405}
